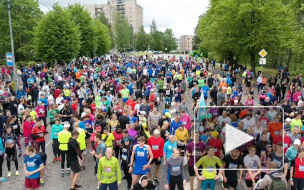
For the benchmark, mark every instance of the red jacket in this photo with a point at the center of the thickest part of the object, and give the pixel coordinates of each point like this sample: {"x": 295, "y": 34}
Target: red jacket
{"x": 27, "y": 128}
{"x": 217, "y": 144}
{"x": 37, "y": 131}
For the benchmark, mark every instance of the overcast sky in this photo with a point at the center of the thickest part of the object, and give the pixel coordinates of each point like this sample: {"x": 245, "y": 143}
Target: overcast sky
{"x": 180, "y": 15}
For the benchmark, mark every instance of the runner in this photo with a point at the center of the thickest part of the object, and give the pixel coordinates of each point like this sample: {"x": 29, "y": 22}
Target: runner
{"x": 209, "y": 175}
{"x": 43, "y": 157}
{"x": 33, "y": 165}
{"x": 63, "y": 139}
{"x": 144, "y": 184}
{"x": 126, "y": 154}
{"x": 56, "y": 128}
{"x": 10, "y": 150}
{"x": 140, "y": 165}
{"x": 296, "y": 171}
{"x": 38, "y": 133}
{"x": 157, "y": 144}
{"x": 108, "y": 173}
{"x": 174, "y": 167}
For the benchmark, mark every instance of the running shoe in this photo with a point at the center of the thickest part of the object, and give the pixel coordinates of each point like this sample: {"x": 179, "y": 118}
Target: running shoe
{"x": 68, "y": 172}
{"x": 3, "y": 179}
{"x": 78, "y": 186}
{"x": 41, "y": 182}
{"x": 20, "y": 154}
{"x": 17, "y": 173}
{"x": 59, "y": 159}
{"x": 54, "y": 160}
{"x": 62, "y": 173}
{"x": 9, "y": 174}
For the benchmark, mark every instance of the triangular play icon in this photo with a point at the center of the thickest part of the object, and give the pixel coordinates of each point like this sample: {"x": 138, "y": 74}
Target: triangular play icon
{"x": 235, "y": 138}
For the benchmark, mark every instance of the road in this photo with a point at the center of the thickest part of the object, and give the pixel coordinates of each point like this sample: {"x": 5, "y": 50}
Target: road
{"x": 53, "y": 179}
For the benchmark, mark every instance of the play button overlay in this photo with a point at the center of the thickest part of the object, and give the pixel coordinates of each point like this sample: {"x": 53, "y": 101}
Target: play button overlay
{"x": 235, "y": 138}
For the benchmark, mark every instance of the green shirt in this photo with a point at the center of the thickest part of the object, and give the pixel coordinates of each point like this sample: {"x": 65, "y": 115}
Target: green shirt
{"x": 209, "y": 169}
{"x": 81, "y": 78}
{"x": 201, "y": 82}
{"x": 160, "y": 84}
{"x": 109, "y": 170}
{"x": 98, "y": 101}
{"x": 125, "y": 93}
{"x": 52, "y": 113}
{"x": 190, "y": 79}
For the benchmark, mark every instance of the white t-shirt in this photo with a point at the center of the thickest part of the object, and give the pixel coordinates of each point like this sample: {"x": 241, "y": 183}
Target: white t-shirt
{"x": 51, "y": 99}
{"x": 137, "y": 108}
{"x": 252, "y": 162}
{"x": 249, "y": 123}
{"x": 20, "y": 108}
{"x": 59, "y": 100}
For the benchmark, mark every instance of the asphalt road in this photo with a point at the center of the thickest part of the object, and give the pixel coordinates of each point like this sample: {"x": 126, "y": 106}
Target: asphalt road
{"x": 53, "y": 179}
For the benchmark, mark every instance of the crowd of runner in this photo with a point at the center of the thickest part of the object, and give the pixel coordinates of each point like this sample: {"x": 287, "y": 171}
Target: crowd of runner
{"x": 109, "y": 108}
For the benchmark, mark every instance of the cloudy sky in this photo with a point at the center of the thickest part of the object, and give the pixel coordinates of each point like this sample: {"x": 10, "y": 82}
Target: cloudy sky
{"x": 180, "y": 15}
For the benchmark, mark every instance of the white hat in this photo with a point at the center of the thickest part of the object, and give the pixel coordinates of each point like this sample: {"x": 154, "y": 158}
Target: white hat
{"x": 142, "y": 112}
{"x": 66, "y": 125}
{"x": 297, "y": 141}
{"x": 236, "y": 101}
{"x": 288, "y": 119}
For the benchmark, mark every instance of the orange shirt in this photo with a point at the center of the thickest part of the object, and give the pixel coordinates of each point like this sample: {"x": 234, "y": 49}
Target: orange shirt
{"x": 78, "y": 75}
{"x": 182, "y": 71}
{"x": 223, "y": 86}
{"x": 274, "y": 129}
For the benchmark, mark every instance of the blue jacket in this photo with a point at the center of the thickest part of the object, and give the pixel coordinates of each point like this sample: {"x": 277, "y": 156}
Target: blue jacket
{"x": 291, "y": 153}
{"x": 20, "y": 93}
{"x": 174, "y": 126}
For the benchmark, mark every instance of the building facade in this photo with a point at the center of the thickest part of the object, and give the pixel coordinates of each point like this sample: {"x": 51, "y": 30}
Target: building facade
{"x": 178, "y": 44}
{"x": 186, "y": 43}
{"x": 128, "y": 8}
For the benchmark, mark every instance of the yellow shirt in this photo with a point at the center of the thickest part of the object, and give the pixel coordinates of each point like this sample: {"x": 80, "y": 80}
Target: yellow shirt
{"x": 229, "y": 90}
{"x": 182, "y": 135}
{"x": 209, "y": 169}
{"x": 67, "y": 92}
{"x": 81, "y": 139}
{"x": 33, "y": 114}
{"x": 198, "y": 72}
{"x": 63, "y": 138}
{"x": 109, "y": 140}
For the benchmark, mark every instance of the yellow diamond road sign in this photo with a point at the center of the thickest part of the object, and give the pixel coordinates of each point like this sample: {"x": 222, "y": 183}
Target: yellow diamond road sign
{"x": 263, "y": 53}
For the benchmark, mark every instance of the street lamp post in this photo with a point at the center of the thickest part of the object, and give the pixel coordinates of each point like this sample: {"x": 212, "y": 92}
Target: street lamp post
{"x": 9, "y": 6}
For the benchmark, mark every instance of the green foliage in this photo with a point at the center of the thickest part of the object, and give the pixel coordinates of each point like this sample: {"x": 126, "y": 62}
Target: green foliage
{"x": 103, "y": 38}
{"x": 236, "y": 30}
{"x": 81, "y": 17}
{"x": 122, "y": 33}
{"x": 57, "y": 38}
{"x": 142, "y": 40}
{"x": 104, "y": 20}
{"x": 25, "y": 16}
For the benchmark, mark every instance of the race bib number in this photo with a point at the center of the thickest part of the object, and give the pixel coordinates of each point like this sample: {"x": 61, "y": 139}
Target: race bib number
{"x": 30, "y": 164}
{"x": 175, "y": 168}
{"x": 232, "y": 166}
{"x": 301, "y": 168}
{"x": 285, "y": 145}
{"x": 1, "y": 152}
{"x": 41, "y": 110}
{"x": 108, "y": 169}
{"x": 276, "y": 132}
{"x": 15, "y": 126}
{"x": 167, "y": 92}
{"x": 210, "y": 169}
{"x": 140, "y": 154}
{"x": 155, "y": 147}
{"x": 184, "y": 122}
{"x": 124, "y": 157}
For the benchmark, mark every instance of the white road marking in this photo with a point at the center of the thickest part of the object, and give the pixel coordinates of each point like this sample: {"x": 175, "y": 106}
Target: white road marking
{"x": 48, "y": 143}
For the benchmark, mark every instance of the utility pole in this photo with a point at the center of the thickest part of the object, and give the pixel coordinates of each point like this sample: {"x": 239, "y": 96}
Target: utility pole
{"x": 9, "y": 6}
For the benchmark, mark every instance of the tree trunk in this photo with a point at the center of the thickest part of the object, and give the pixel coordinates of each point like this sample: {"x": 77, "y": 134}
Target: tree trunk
{"x": 252, "y": 62}
{"x": 289, "y": 55}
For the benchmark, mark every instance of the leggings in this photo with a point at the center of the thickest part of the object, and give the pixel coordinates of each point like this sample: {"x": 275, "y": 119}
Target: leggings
{"x": 1, "y": 162}
{"x": 56, "y": 148}
{"x": 298, "y": 184}
{"x": 176, "y": 181}
{"x": 117, "y": 151}
{"x": 125, "y": 168}
{"x": 11, "y": 156}
{"x": 44, "y": 121}
{"x": 40, "y": 144}
{"x": 28, "y": 140}
{"x": 63, "y": 154}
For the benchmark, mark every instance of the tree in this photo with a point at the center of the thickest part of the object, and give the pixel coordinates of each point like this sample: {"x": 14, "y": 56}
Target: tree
{"x": 25, "y": 16}
{"x": 57, "y": 38}
{"x": 81, "y": 17}
{"x": 104, "y": 20}
{"x": 103, "y": 38}
{"x": 170, "y": 43}
{"x": 122, "y": 33}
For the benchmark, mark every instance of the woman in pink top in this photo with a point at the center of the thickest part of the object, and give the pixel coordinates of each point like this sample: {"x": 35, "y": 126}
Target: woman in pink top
{"x": 27, "y": 131}
{"x": 296, "y": 95}
{"x": 185, "y": 119}
{"x": 249, "y": 101}
{"x": 40, "y": 110}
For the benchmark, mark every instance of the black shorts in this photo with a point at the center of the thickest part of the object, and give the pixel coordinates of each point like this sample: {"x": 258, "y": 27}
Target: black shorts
{"x": 249, "y": 182}
{"x": 231, "y": 182}
{"x": 192, "y": 172}
{"x": 156, "y": 162}
{"x": 75, "y": 167}
{"x": 160, "y": 91}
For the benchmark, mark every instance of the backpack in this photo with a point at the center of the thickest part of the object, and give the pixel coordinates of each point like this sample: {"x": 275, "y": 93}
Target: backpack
{"x": 277, "y": 183}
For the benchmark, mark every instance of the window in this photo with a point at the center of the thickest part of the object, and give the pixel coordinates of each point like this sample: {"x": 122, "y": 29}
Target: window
{"x": 120, "y": 1}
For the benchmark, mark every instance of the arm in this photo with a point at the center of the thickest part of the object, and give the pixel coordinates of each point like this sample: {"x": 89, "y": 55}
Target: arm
{"x": 118, "y": 171}
{"x": 166, "y": 171}
{"x": 151, "y": 155}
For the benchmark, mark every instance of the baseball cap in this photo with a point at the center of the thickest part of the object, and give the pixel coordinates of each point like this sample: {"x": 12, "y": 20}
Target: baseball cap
{"x": 168, "y": 114}
{"x": 288, "y": 119}
{"x": 297, "y": 141}
{"x": 66, "y": 101}
{"x": 66, "y": 125}
{"x": 126, "y": 139}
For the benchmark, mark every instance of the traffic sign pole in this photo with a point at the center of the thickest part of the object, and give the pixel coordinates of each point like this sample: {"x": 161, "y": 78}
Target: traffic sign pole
{"x": 9, "y": 6}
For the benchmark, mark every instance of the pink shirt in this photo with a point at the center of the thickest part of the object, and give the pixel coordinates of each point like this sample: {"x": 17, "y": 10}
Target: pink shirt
{"x": 186, "y": 119}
